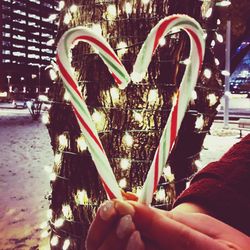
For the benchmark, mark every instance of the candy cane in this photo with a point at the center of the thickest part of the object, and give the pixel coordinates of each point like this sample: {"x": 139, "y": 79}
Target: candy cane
{"x": 80, "y": 108}
{"x": 184, "y": 94}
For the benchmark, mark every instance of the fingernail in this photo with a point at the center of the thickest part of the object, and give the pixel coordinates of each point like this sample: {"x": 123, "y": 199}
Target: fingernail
{"x": 125, "y": 226}
{"x": 135, "y": 242}
{"x": 124, "y": 207}
{"x": 107, "y": 209}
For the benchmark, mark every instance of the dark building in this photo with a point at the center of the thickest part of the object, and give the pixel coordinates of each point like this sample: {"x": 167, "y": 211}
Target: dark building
{"x": 26, "y": 42}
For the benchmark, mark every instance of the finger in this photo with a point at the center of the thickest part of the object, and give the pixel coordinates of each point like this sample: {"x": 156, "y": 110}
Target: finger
{"x": 168, "y": 233}
{"x": 118, "y": 237}
{"x": 135, "y": 242}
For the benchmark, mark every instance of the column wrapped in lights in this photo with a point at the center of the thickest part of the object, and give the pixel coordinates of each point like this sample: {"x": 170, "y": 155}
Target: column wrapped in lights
{"x": 130, "y": 121}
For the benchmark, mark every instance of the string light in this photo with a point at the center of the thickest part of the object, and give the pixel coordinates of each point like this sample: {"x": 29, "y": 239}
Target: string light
{"x": 52, "y": 177}
{"x": 81, "y": 144}
{"x": 186, "y": 61}
{"x": 61, "y": 5}
{"x": 145, "y": 1}
{"x": 96, "y": 27}
{"x": 115, "y": 94}
{"x": 58, "y": 158}
{"x": 49, "y": 214}
{"x": 54, "y": 241}
{"x": 67, "y": 212}
{"x": 66, "y": 96}
{"x": 125, "y": 164}
{"x": 207, "y": 73}
{"x": 225, "y": 73}
{"x": 45, "y": 118}
{"x": 224, "y": 3}
{"x": 212, "y": 99}
{"x": 209, "y": 12}
{"x": 128, "y": 8}
{"x": 123, "y": 183}
{"x": 137, "y": 116}
{"x": 217, "y": 62}
{"x": 52, "y": 17}
{"x": 218, "y": 22}
{"x": 44, "y": 225}
{"x": 45, "y": 234}
{"x": 59, "y": 222}
{"x": 73, "y": 8}
{"x": 111, "y": 12}
{"x": 67, "y": 18}
{"x": 194, "y": 95}
{"x": 63, "y": 141}
{"x": 81, "y": 197}
{"x": 205, "y": 35}
{"x": 122, "y": 48}
{"x": 199, "y": 123}
{"x": 167, "y": 172}
{"x": 152, "y": 96}
{"x": 66, "y": 244}
{"x": 162, "y": 41}
{"x": 219, "y": 37}
{"x": 128, "y": 140}
{"x": 213, "y": 43}
{"x": 160, "y": 195}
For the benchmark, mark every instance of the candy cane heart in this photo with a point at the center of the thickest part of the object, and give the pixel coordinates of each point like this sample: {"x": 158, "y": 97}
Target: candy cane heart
{"x": 197, "y": 48}
{"x": 69, "y": 39}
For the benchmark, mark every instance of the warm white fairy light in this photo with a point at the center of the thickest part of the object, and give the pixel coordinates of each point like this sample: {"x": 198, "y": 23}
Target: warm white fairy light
{"x": 73, "y": 8}
{"x": 152, "y": 96}
{"x": 81, "y": 143}
{"x": 160, "y": 195}
{"x": 49, "y": 214}
{"x": 45, "y": 118}
{"x": 212, "y": 99}
{"x": 61, "y": 5}
{"x": 115, "y": 94}
{"x": 53, "y": 75}
{"x": 44, "y": 225}
{"x": 223, "y": 3}
{"x": 207, "y": 73}
{"x": 128, "y": 8}
{"x": 168, "y": 173}
{"x": 128, "y": 140}
{"x": 137, "y": 77}
{"x": 123, "y": 183}
{"x": 162, "y": 41}
{"x": 59, "y": 222}
{"x": 225, "y": 73}
{"x": 125, "y": 164}
{"x": 209, "y": 12}
{"x": 57, "y": 158}
{"x": 52, "y": 17}
{"x": 81, "y": 197}
{"x": 66, "y": 244}
{"x": 198, "y": 164}
{"x": 145, "y": 1}
{"x": 66, "y": 96}
{"x": 67, "y": 18}
{"x": 219, "y": 37}
{"x": 217, "y": 62}
{"x": 194, "y": 95}
{"x": 213, "y": 43}
{"x": 63, "y": 141}
{"x": 52, "y": 176}
{"x": 218, "y": 21}
{"x": 111, "y": 11}
{"x": 138, "y": 116}
{"x": 186, "y": 61}
{"x": 199, "y": 123}
{"x": 96, "y": 27}
{"x": 54, "y": 240}
{"x": 122, "y": 48}
{"x": 45, "y": 234}
{"x": 67, "y": 212}
{"x": 97, "y": 116}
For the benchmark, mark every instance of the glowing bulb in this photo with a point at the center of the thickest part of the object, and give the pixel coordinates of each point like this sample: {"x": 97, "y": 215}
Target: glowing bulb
{"x": 45, "y": 118}
{"x": 161, "y": 195}
{"x": 44, "y": 225}
{"x": 223, "y": 3}
{"x": 167, "y": 171}
{"x": 115, "y": 94}
{"x": 81, "y": 197}
{"x": 123, "y": 183}
{"x": 209, "y": 13}
{"x": 121, "y": 48}
{"x": 111, "y": 11}
{"x": 73, "y": 8}
{"x": 66, "y": 96}
{"x": 152, "y": 96}
{"x": 225, "y": 73}
{"x": 137, "y": 77}
{"x": 57, "y": 159}
{"x": 162, "y": 41}
{"x": 52, "y": 17}
{"x": 217, "y": 62}
{"x": 45, "y": 234}
{"x": 59, "y": 222}
{"x": 125, "y": 164}
{"x": 138, "y": 116}
{"x": 207, "y": 73}
{"x": 50, "y": 42}
{"x": 219, "y": 37}
{"x": 66, "y": 244}
{"x": 49, "y": 214}
{"x": 194, "y": 95}
{"x": 218, "y": 22}
{"x": 53, "y": 74}
{"x": 96, "y": 116}
{"x": 145, "y": 1}
{"x": 67, "y": 212}
{"x": 61, "y": 5}
{"x": 205, "y": 35}
{"x": 199, "y": 164}
{"x": 213, "y": 43}
{"x": 199, "y": 123}
{"x": 128, "y": 8}
{"x": 128, "y": 140}
{"x": 81, "y": 143}
{"x": 63, "y": 141}
{"x": 96, "y": 27}
{"x": 54, "y": 241}
{"x": 212, "y": 99}
{"x": 186, "y": 61}
{"x": 52, "y": 176}
{"x": 67, "y": 18}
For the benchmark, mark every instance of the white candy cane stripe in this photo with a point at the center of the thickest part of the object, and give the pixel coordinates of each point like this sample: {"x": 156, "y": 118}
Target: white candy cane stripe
{"x": 184, "y": 94}
{"x": 80, "y": 108}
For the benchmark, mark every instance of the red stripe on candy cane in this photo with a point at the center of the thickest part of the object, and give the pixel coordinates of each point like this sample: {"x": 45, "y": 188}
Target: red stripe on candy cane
{"x": 108, "y": 191}
{"x": 161, "y": 30}
{"x": 99, "y": 44}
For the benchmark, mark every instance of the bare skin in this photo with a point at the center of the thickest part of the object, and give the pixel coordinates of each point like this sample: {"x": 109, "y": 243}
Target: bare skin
{"x": 133, "y": 226}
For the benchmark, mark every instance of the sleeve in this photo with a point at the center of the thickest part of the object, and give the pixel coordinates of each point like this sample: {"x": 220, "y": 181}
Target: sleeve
{"x": 223, "y": 187}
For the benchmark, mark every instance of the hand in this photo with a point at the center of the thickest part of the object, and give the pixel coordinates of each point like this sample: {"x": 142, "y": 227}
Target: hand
{"x": 152, "y": 228}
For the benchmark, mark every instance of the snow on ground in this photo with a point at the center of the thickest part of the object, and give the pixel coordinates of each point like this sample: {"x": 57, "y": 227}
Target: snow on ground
{"x": 24, "y": 151}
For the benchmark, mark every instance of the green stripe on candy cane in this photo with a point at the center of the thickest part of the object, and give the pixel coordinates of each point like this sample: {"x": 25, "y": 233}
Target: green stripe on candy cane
{"x": 183, "y": 96}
